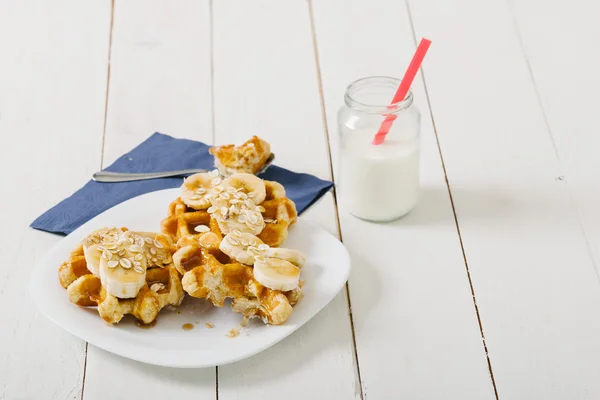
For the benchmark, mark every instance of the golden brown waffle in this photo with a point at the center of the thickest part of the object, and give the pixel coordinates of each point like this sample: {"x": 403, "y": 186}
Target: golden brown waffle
{"x": 248, "y": 157}
{"x": 73, "y": 268}
{"x": 182, "y": 220}
{"x": 163, "y": 284}
{"x": 211, "y": 274}
{"x": 280, "y": 212}
{"x": 163, "y": 288}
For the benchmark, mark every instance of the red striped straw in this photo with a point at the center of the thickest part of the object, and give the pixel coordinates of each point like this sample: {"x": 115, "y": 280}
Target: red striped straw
{"x": 407, "y": 80}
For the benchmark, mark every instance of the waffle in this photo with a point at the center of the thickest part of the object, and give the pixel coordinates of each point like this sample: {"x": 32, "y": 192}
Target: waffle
{"x": 182, "y": 221}
{"x": 210, "y": 274}
{"x": 163, "y": 288}
{"x": 122, "y": 272}
{"x": 279, "y": 213}
{"x": 162, "y": 281}
{"x": 73, "y": 268}
{"x": 248, "y": 157}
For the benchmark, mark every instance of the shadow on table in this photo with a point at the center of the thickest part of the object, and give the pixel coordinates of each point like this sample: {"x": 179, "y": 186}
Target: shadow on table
{"x": 434, "y": 207}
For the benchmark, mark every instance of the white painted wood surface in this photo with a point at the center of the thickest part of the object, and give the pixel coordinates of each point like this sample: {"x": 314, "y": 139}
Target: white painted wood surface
{"x": 52, "y": 84}
{"x": 534, "y": 278}
{"x": 518, "y": 144}
{"x": 564, "y": 64}
{"x": 409, "y": 286}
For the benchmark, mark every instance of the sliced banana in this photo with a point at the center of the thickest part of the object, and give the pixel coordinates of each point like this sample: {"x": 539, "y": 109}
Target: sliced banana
{"x": 94, "y": 245}
{"x": 162, "y": 238}
{"x": 123, "y": 277}
{"x": 122, "y": 268}
{"x": 196, "y": 190}
{"x": 241, "y": 217}
{"x": 246, "y": 221}
{"x": 236, "y": 244}
{"x": 276, "y": 274}
{"x": 209, "y": 241}
{"x": 236, "y": 204}
{"x": 243, "y": 185}
{"x": 92, "y": 258}
{"x": 277, "y": 190}
{"x": 294, "y": 256}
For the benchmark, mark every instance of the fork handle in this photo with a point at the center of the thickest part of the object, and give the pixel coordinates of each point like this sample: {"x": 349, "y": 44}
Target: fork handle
{"x": 107, "y": 176}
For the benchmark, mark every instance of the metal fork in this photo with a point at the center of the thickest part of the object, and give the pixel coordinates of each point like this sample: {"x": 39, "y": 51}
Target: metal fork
{"x": 106, "y": 176}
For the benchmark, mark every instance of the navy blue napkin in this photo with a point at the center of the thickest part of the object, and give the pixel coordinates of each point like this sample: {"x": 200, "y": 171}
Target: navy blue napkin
{"x": 95, "y": 197}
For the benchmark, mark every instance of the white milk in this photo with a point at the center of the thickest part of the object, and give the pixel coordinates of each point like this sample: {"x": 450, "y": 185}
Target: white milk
{"x": 379, "y": 183}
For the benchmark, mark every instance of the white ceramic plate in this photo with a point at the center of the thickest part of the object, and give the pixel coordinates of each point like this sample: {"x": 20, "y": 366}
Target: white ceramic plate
{"x": 167, "y": 343}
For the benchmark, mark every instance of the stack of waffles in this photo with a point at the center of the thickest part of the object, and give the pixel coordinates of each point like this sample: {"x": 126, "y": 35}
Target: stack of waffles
{"x": 220, "y": 240}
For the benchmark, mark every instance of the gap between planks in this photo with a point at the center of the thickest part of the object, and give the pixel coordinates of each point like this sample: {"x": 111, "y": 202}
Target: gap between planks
{"x": 110, "y": 36}
{"x": 462, "y": 247}
{"x": 213, "y": 123}
{"x": 212, "y": 71}
{"x": 334, "y": 192}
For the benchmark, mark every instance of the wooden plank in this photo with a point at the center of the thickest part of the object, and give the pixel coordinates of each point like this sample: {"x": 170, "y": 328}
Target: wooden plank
{"x": 160, "y": 73}
{"x": 159, "y": 81}
{"x": 416, "y": 327}
{"x": 266, "y": 84}
{"x": 564, "y": 64}
{"x": 52, "y": 85}
{"x": 534, "y": 279}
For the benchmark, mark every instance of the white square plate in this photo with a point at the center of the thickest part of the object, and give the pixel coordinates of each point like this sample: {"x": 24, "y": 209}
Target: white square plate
{"x": 167, "y": 343}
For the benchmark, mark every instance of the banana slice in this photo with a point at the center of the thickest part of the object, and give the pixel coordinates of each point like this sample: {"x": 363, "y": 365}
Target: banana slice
{"x": 235, "y": 204}
{"x": 92, "y": 257}
{"x": 276, "y": 274}
{"x": 123, "y": 272}
{"x": 277, "y": 190}
{"x": 94, "y": 244}
{"x": 243, "y": 185}
{"x": 196, "y": 190}
{"x": 294, "y": 256}
{"x": 209, "y": 241}
{"x": 236, "y": 244}
{"x": 238, "y": 217}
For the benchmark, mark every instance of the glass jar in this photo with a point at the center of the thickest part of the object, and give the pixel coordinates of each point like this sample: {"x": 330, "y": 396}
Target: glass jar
{"x": 378, "y": 182}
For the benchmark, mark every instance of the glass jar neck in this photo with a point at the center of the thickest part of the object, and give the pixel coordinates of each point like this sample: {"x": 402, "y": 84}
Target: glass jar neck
{"x": 373, "y": 95}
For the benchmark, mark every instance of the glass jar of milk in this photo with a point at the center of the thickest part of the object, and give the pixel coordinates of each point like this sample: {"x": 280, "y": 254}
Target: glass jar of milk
{"x": 378, "y": 182}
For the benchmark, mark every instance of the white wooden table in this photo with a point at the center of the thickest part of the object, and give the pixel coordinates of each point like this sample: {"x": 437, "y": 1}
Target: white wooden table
{"x": 489, "y": 290}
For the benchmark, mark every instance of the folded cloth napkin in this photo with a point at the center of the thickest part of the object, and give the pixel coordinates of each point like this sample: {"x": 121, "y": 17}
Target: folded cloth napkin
{"x": 95, "y": 197}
